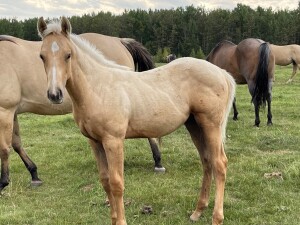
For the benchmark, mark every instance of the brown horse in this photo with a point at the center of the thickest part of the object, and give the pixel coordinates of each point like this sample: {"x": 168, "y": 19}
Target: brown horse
{"x": 23, "y": 84}
{"x": 110, "y": 105}
{"x": 285, "y": 55}
{"x": 250, "y": 62}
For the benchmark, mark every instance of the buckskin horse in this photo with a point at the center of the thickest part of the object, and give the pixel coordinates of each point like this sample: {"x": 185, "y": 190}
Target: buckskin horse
{"x": 110, "y": 105}
{"x": 286, "y": 55}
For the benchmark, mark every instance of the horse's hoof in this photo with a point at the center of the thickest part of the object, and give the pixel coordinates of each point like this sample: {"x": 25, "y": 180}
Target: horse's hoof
{"x": 195, "y": 216}
{"x": 36, "y": 183}
{"x": 270, "y": 124}
{"x": 160, "y": 169}
{"x": 289, "y": 81}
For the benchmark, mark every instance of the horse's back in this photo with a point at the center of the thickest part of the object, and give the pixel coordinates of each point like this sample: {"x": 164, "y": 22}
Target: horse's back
{"x": 118, "y": 53}
{"x": 187, "y": 76}
{"x": 224, "y": 56}
{"x": 169, "y": 94}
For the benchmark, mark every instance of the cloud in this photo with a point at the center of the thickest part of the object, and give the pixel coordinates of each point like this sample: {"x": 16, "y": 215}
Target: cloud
{"x": 22, "y": 9}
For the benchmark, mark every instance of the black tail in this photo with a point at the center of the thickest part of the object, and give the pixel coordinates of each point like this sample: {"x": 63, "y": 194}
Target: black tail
{"x": 261, "y": 90}
{"x": 142, "y": 58}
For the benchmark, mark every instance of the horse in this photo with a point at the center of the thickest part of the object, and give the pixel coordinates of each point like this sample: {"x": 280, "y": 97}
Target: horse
{"x": 250, "y": 62}
{"x": 285, "y": 55}
{"x": 23, "y": 86}
{"x": 170, "y": 58}
{"x": 125, "y": 104}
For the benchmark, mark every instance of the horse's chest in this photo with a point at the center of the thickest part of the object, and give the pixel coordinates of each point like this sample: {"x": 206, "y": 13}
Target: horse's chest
{"x": 85, "y": 125}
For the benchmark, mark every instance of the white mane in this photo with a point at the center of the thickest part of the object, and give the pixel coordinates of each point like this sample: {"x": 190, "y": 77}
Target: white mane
{"x": 87, "y": 46}
{"x": 55, "y": 27}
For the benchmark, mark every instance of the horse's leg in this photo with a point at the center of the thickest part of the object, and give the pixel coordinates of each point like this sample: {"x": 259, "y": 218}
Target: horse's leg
{"x": 295, "y": 68}
{"x": 154, "y": 144}
{"x": 269, "y": 100}
{"x": 256, "y": 109}
{"x": 235, "y": 112}
{"x": 102, "y": 166}
{"x": 197, "y": 138}
{"x": 215, "y": 156}
{"x": 115, "y": 159}
{"x": 251, "y": 87}
{"x": 6, "y": 121}
{"x": 17, "y": 146}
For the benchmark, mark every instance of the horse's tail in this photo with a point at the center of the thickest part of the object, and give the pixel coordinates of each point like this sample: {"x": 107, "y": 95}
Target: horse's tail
{"x": 261, "y": 90}
{"x": 231, "y": 94}
{"x": 142, "y": 58}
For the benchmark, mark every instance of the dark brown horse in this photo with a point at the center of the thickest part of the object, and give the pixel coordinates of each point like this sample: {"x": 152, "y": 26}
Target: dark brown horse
{"x": 250, "y": 62}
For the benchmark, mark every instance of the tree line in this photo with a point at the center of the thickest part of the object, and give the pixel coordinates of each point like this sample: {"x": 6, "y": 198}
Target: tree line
{"x": 184, "y": 31}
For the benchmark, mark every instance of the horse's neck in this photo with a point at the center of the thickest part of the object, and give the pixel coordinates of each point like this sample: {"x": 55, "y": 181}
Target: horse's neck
{"x": 86, "y": 75}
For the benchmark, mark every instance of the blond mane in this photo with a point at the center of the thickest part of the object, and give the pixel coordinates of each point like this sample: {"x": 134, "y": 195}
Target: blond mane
{"x": 55, "y": 27}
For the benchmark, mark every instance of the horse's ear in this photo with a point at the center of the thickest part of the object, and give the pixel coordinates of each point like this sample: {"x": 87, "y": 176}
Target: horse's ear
{"x": 66, "y": 28}
{"x": 41, "y": 27}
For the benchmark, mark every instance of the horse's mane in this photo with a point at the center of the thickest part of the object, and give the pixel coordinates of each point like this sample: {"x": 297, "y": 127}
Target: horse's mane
{"x": 96, "y": 54}
{"x": 217, "y": 48}
{"x": 55, "y": 27}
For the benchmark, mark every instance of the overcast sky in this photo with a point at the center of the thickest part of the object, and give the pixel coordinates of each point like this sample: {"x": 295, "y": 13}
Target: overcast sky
{"x": 23, "y": 9}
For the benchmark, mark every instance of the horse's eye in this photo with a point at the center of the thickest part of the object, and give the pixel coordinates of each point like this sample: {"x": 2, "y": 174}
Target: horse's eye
{"x": 68, "y": 56}
{"x": 42, "y": 57}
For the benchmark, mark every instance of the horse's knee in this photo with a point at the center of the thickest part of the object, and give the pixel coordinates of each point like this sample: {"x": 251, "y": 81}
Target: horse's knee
{"x": 4, "y": 153}
{"x": 105, "y": 184}
{"x": 220, "y": 168}
{"x": 116, "y": 186}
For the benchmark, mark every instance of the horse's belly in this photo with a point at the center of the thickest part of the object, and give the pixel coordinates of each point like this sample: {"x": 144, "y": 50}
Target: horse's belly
{"x": 155, "y": 127}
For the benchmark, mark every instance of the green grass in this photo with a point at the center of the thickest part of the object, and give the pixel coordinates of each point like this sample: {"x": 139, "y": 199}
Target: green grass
{"x": 71, "y": 193}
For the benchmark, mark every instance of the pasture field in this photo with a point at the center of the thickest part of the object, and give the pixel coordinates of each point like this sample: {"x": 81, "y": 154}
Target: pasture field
{"x": 71, "y": 193}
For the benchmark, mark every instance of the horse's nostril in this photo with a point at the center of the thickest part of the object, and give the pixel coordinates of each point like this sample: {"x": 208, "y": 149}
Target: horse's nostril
{"x": 56, "y": 97}
{"x": 60, "y": 94}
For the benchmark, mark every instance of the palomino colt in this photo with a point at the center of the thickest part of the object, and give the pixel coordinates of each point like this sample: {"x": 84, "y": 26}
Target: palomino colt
{"x": 110, "y": 105}
{"x": 250, "y": 62}
{"x": 23, "y": 85}
{"x": 285, "y": 55}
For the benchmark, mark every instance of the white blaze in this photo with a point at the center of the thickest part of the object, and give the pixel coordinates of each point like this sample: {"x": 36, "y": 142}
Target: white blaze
{"x": 53, "y": 77}
{"x": 54, "y": 48}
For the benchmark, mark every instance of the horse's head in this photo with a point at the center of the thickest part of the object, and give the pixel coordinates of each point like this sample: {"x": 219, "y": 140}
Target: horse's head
{"x": 56, "y": 53}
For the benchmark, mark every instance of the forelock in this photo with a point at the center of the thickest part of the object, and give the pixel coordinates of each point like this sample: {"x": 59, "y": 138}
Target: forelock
{"x": 53, "y": 26}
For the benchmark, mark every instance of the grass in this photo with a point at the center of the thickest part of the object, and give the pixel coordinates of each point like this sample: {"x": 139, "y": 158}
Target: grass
{"x": 71, "y": 193}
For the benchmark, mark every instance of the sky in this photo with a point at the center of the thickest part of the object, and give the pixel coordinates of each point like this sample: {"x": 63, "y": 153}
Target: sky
{"x": 24, "y": 9}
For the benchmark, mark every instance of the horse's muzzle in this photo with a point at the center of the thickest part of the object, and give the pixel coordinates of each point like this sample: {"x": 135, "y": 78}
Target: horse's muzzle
{"x": 56, "y": 97}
